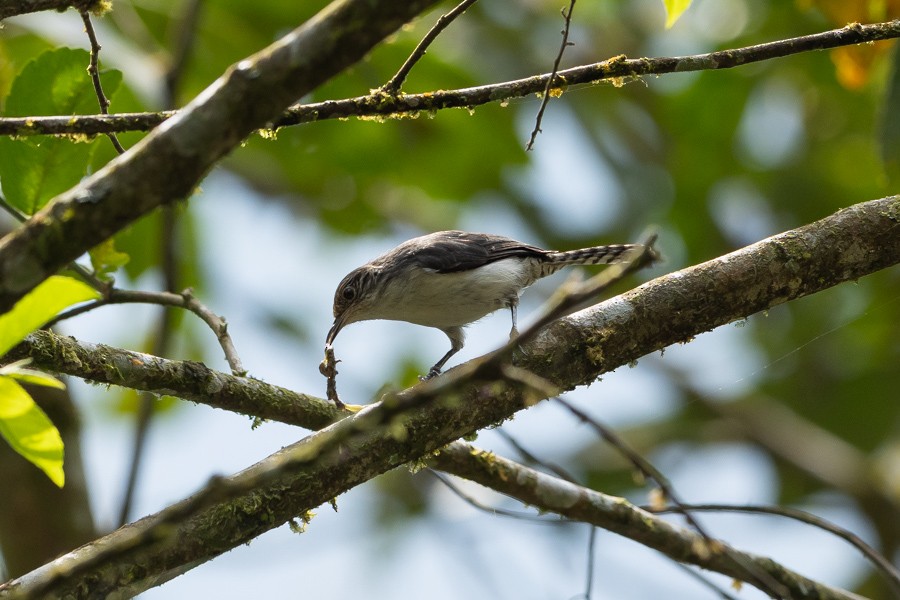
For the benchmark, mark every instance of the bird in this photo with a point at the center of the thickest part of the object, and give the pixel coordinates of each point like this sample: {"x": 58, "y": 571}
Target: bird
{"x": 450, "y": 279}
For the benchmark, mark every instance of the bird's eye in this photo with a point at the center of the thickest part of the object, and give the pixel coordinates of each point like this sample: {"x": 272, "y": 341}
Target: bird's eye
{"x": 348, "y": 293}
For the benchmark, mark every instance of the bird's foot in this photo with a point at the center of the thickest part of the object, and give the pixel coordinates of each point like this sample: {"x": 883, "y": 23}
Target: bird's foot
{"x": 432, "y": 373}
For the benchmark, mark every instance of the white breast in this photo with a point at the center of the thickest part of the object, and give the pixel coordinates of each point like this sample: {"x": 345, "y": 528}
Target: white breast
{"x": 453, "y": 299}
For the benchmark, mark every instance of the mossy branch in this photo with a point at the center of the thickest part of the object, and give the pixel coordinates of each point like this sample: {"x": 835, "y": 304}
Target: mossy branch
{"x": 385, "y": 105}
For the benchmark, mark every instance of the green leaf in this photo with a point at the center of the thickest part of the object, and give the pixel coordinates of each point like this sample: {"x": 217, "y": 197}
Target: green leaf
{"x": 34, "y": 170}
{"x": 106, "y": 259}
{"x": 20, "y": 372}
{"x": 39, "y": 306}
{"x": 674, "y": 8}
{"x": 28, "y": 430}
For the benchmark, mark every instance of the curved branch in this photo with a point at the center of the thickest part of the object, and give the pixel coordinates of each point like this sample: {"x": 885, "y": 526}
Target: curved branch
{"x": 185, "y": 379}
{"x": 619, "y": 516}
{"x": 891, "y": 573}
{"x": 640, "y": 464}
{"x": 575, "y": 350}
{"x": 185, "y": 300}
{"x": 386, "y": 105}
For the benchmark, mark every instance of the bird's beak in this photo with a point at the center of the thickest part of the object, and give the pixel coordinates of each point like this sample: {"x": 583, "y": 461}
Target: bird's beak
{"x": 332, "y": 333}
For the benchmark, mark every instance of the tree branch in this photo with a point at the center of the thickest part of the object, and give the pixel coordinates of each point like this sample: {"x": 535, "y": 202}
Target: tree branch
{"x": 616, "y": 69}
{"x": 575, "y": 350}
{"x": 890, "y": 573}
{"x": 165, "y": 166}
{"x": 619, "y": 516}
{"x": 185, "y": 379}
{"x": 84, "y": 124}
{"x": 11, "y": 8}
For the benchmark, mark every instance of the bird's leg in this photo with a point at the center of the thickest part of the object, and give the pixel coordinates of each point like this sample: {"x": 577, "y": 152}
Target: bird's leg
{"x": 457, "y": 340}
{"x": 514, "y": 332}
{"x": 436, "y": 369}
{"x": 513, "y": 306}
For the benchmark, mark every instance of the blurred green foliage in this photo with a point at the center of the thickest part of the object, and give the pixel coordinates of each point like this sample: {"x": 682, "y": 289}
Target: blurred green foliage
{"x": 34, "y": 170}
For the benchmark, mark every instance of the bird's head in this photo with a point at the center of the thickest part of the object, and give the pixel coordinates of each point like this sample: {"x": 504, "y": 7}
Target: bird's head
{"x": 354, "y": 299}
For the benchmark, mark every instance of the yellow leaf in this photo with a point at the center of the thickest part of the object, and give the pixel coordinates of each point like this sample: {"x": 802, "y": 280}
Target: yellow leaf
{"x": 854, "y": 64}
{"x": 39, "y": 306}
{"x": 19, "y": 372}
{"x": 29, "y": 432}
{"x": 674, "y": 8}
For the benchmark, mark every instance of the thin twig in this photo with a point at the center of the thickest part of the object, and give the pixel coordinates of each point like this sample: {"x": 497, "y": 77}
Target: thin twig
{"x": 565, "y": 475}
{"x": 592, "y": 547}
{"x": 144, "y": 416}
{"x": 493, "y": 510}
{"x": 545, "y": 99}
{"x": 184, "y": 300}
{"x": 394, "y": 83}
{"x": 705, "y": 581}
{"x": 89, "y": 277}
{"x": 162, "y": 340}
{"x": 617, "y": 68}
{"x": 881, "y": 563}
{"x": 94, "y": 72}
{"x": 534, "y": 460}
{"x": 14, "y": 212}
{"x": 764, "y": 580}
{"x": 640, "y": 463}
{"x": 617, "y": 515}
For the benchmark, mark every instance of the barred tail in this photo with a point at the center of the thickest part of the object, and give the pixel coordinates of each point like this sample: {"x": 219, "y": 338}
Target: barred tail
{"x": 598, "y": 255}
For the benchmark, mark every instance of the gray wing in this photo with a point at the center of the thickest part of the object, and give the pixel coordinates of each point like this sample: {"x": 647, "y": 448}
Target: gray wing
{"x": 453, "y": 251}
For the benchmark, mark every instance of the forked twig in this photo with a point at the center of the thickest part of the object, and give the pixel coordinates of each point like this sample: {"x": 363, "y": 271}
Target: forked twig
{"x": 394, "y": 83}
{"x": 94, "y": 72}
{"x": 492, "y": 510}
{"x": 890, "y": 572}
{"x": 545, "y": 99}
{"x": 185, "y": 300}
{"x": 765, "y": 581}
